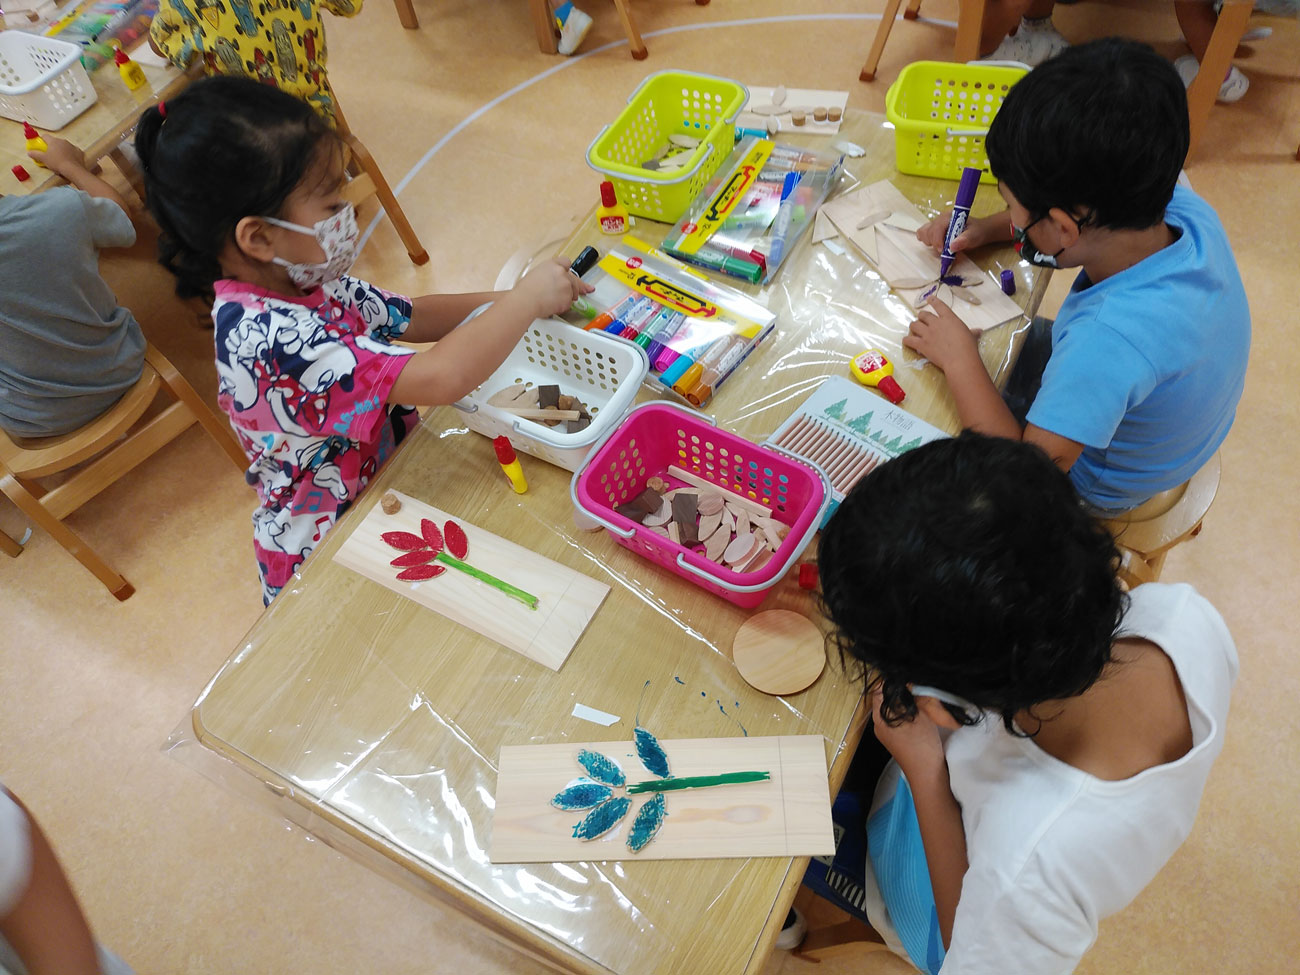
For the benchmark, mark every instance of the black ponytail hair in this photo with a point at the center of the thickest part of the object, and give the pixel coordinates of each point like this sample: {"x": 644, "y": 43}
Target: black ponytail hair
{"x": 224, "y": 149}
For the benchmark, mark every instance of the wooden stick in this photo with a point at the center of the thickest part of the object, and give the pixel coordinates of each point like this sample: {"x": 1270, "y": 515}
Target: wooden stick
{"x": 696, "y": 782}
{"x": 528, "y": 413}
{"x": 696, "y": 481}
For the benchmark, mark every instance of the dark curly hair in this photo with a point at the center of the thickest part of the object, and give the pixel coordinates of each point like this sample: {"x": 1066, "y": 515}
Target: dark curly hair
{"x": 970, "y": 565}
{"x": 1101, "y": 128}
{"x": 227, "y": 148}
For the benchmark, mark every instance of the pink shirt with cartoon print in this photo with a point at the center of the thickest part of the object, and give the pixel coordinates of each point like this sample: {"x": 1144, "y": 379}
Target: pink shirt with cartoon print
{"x": 305, "y": 381}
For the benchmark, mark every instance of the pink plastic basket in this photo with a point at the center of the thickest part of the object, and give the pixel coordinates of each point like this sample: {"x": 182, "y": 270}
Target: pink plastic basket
{"x": 656, "y": 435}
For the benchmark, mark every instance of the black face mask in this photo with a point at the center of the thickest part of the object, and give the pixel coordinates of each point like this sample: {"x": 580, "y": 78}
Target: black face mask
{"x": 1028, "y": 252}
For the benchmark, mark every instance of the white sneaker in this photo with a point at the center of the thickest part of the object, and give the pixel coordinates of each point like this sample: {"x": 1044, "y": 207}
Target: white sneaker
{"x": 793, "y": 932}
{"x": 1042, "y": 39}
{"x": 1233, "y": 87}
{"x": 573, "y": 28}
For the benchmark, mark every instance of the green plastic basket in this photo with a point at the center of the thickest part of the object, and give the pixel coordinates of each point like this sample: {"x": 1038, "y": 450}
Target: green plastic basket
{"x": 664, "y": 104}
{"x": 941, "y": 112}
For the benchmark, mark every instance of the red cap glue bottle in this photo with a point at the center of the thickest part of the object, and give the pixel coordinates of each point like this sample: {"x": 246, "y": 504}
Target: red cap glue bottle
{"x": 611, "y": 215}
{"x": 871, "y": 368}
{"x": 34, "y": 141}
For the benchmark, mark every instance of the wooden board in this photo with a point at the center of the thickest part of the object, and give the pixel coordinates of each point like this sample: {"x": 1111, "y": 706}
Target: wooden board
{"x": 788, "y": 815}
{"x": 804, "y": 98}
{"x": 898, "y": 255}
{"x": 567, "y": 600}
{"x": 779, "y": 652}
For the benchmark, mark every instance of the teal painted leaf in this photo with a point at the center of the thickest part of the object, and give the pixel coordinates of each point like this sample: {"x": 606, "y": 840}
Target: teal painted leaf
{"x": 582, "y": 794}
{"x": 603, "y": 818}
{"x": 601, "y": 768}
{"x": 648, "y": 820}
{"x": 651, "y": 753}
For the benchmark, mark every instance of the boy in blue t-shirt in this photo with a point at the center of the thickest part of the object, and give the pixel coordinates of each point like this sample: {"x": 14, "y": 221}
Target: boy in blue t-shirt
{"x": 1148, "y": 354}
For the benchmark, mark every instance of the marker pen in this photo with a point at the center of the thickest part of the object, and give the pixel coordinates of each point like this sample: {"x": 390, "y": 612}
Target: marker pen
{"x": 781, "y": 225}
{"x": 664, "y": 320}
{"x": 635, "y": 323}
{"x": 632, "y": 311}
{"x": 719, "y": 363}
{"x": 970, "y": 181}
{"x": 605, "y": 317}
{"x": 669, "y": 355}
{"x": 691, "y": 375}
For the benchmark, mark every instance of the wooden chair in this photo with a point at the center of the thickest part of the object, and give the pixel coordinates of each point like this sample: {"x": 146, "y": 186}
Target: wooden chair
{"x": 1146, "y": 534}
{"x": 115, "y": 448}
{"x": 1203, "y": 92}
{"x": 966, "y": 47}
{"x": 361, "y": 161}
{"x": 544, "y": 25}
{"x": 406, "y": 14}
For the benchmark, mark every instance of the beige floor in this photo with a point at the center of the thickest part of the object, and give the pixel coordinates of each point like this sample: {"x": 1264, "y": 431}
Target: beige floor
{"x": 180, "y": 876}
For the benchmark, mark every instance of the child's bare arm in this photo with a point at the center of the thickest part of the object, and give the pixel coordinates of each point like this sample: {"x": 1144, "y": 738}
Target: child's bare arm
{"x": 67, "y": 160}
{"x": 433, "y": 316}
{"x": 467, "y": 356}
{"x": 918, "y": 749}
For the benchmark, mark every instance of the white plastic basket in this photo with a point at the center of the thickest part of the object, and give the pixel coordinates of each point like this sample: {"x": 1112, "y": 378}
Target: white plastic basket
{"x": 42, "y": 80}
{"x": 602, "y": 371}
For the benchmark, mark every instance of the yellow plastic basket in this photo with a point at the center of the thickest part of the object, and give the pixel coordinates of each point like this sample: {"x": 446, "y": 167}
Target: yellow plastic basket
{"x": 664, "y": 104}
{"x": 941, "y": 112}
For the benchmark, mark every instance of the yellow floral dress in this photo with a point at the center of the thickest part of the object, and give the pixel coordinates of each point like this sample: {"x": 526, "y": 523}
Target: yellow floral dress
{"x": 280, "y": 42}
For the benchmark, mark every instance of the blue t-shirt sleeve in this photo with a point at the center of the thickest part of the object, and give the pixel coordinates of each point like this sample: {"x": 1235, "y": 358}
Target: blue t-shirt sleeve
{"x": 1093, "y": 378}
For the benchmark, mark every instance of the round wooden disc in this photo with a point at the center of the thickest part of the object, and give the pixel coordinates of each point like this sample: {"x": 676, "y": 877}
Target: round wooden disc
{"x": 779, "y": 652}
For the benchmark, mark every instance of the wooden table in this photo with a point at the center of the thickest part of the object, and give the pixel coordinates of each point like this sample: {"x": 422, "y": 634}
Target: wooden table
{"x": 98, "y": 131}
{"x": 378, "y": 723}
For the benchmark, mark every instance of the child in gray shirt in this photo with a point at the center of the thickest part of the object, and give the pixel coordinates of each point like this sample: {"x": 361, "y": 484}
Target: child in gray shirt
{"x": 68, "y": 351}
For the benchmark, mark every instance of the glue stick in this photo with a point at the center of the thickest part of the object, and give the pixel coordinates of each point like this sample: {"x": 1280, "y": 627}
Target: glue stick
{"x": 871, "y": 368}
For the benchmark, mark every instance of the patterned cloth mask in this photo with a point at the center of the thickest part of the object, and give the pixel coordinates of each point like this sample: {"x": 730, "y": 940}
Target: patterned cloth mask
{"x": 337, "y": 236}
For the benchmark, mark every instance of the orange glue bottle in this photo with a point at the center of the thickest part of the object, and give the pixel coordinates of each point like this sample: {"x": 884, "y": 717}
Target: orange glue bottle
{"x": 610, "y": 215}
{"x": 132, "y": 74}
{"x": 510, "y": 464}
{"x": 871, "y": 368}
{"x": 34, "y": 141}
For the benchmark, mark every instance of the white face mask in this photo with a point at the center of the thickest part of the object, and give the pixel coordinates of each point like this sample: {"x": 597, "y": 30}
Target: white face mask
{"x": 337, "y": 236}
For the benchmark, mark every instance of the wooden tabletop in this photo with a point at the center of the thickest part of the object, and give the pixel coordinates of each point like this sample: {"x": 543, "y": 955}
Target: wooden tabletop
{"x": 97, "y": 131}
{"x": 379, "y": 722}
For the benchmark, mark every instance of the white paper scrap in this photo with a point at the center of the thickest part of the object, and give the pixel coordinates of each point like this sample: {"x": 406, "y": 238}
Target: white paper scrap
{"x": 594, "y": 716}
{"x": 833, "y": 247}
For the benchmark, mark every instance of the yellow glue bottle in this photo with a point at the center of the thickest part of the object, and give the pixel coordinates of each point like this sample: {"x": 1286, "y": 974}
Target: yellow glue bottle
{"x": 871, "y": 368}
{"x": 132, "y": 74}
{"x": 611, "y": 215}
{"x": 34, "y": 141}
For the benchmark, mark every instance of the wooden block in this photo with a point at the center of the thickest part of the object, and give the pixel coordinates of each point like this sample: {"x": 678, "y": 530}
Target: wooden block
{"x": 660, "y": 517}
{"x": 684, "y": 513}
{"x": 578, "y": 425}
{"x": 549, "y": 395}
{"x": 551, "y": 413}
{"x": 711, "y": 503}
{"x": 517, "y": 395}
{"x": 740, "y": 549}
{"x": 787, "y": 815}
{"x": 709, "y": 525}
{"x": 567, "y": 599}
{"x": 699, "y": 482}
{"x": 742, "y": 522}
{"x": 716, "y": 546}
{"x": 779, "y": 652}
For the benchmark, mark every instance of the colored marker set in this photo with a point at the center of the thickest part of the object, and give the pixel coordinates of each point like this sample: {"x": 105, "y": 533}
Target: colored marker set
{"x": 754, "y": 210}
{"x": 694, "y": 332}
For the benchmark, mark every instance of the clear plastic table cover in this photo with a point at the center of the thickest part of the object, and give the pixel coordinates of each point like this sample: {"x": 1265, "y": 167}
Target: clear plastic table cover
{"x": 375, "y": 724}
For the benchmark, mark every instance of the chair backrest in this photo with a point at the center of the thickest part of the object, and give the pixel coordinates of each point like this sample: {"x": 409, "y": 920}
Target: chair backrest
{"x": 358, "y": 189}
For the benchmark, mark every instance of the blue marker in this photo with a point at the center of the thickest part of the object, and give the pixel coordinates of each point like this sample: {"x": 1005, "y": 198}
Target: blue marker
{"x": 638, "y": 308}
{"x": 781, "y": 225}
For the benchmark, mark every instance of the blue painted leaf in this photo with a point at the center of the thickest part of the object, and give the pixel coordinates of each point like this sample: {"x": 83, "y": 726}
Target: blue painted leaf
{"x": 601, "y": 768}
{"x": 648, "y": 820}
{"x": 582, "y": 794}
{"x": 603, "y": 818}
{"x": 651, "y": 753}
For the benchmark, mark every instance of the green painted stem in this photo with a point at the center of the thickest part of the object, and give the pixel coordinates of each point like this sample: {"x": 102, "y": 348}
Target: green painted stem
{"x": 527, "y": 598}
{"x": 696, "y": 782}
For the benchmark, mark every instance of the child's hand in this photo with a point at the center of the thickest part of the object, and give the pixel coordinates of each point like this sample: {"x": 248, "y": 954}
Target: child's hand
{"x": 942, "y": 337}
{"x": 62, "y": 157}
{"x": 978, "y": 232}
{"x": 552, "y": 287}
{"x": 914, "y": 744}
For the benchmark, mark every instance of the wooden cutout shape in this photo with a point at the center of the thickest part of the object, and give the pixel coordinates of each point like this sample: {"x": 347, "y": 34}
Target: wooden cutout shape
{"x": 823, "y": 228}
{"x": 779, "y": 652}
{"x": 802, "y": 99}
{"x": 787, "y": 815}
{"x": 549, "y": 396}
{"x": 567, "y": 599}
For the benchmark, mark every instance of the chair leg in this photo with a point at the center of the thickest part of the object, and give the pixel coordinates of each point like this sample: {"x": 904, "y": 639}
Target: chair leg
{"x": 361, "y": 155}
{"x": 913, "y": 10}
{"x": 406, "y": 14}
{"x": 1204, "y": 89}
{"x": 543, "y": 25}
{"x": 868, "y": 72}
{"x": 970, "y": 22}
{"x": 634, "y": 41}
{"x": 17, "y": 492}
{"x": 10, "y": 546}
{"x": 180, "y": 388}
{"x": 129, "y": 172}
